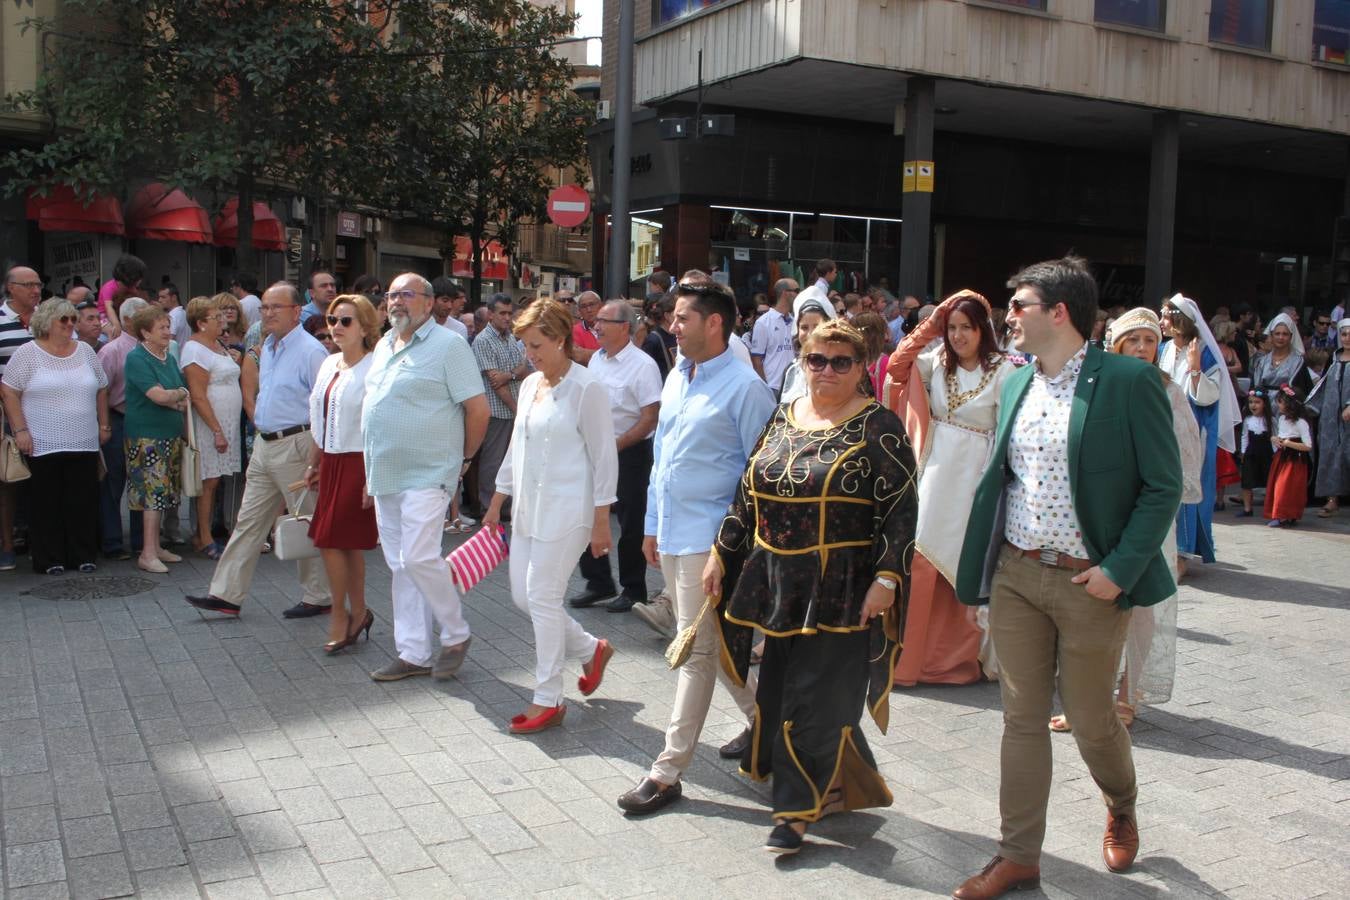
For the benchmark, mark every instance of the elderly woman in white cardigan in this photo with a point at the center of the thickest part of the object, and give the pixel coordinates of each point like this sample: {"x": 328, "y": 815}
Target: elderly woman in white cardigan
{"x": 561, "y": 472}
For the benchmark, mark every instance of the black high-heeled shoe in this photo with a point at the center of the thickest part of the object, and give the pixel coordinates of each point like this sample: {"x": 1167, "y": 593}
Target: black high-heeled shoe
{"x": 368, "y": 621}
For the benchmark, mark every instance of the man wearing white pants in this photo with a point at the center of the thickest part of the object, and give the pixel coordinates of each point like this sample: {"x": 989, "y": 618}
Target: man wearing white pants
{"x": 424, "y": 414}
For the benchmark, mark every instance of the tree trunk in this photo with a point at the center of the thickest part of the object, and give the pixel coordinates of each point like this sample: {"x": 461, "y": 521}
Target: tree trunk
{"x": 245, "y": 256}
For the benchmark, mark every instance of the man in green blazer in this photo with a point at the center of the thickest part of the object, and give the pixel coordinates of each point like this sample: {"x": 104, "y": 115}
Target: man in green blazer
{"x": 1065, "y": 537}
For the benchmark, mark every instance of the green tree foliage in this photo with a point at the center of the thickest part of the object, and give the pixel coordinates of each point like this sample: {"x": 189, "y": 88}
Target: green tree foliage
{"x": 221, "y": 97}
{"x": 486, "y": 119}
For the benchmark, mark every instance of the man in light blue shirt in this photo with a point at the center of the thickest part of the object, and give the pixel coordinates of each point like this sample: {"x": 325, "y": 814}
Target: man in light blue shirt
{"x": 424, "y": 414}
{"x": 322, "y": 290}
{"x": 713, "y": 408}
{"x": 288, "y": 362}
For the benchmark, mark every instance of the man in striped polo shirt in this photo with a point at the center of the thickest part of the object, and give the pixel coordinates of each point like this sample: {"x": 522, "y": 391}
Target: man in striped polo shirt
{"x": 23, "y": 292}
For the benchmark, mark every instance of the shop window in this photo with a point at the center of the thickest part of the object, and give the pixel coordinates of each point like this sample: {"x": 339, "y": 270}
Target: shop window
{"x": 644, "y": 244}
{"x": 1147, "y": 14}
{"x": 664, "y": 11}
{"x": 1242, "y": 23}
{"x": 1331, "y": 31}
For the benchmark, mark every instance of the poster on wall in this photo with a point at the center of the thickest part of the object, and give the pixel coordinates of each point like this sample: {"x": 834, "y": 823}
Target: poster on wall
{"x": 1331, "y": 31}
{"x": 70, "y": 255}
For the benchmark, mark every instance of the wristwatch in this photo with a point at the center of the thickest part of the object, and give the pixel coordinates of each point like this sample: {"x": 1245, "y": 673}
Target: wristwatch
{"x": 887, "y": 582}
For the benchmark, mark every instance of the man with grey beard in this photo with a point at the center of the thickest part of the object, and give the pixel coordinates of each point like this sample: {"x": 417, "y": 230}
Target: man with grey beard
{"x": 424, "y": 415}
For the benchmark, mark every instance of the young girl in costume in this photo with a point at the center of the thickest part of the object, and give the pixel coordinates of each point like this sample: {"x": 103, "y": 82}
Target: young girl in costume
{"x": 1287, "y": 489}
{"x": 1257, "y": 430}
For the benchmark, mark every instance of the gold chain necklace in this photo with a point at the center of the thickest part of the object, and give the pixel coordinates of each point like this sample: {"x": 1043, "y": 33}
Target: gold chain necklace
{"x": 957, "y": 400}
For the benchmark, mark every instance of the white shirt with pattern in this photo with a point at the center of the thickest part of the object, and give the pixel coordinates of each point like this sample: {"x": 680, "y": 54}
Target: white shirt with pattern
{"x": 1040, "y": 505}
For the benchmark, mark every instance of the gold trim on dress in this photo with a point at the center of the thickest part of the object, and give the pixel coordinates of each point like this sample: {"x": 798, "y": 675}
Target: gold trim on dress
{"x": 804, "y": 630}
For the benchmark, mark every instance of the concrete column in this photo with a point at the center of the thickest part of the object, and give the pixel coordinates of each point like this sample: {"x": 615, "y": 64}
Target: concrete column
{"x": 1162, "y": 208}
{"x": 917, "y": 206}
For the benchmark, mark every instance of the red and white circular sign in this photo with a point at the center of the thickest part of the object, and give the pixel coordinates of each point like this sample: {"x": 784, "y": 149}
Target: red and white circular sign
{"x": 568, "y": 206}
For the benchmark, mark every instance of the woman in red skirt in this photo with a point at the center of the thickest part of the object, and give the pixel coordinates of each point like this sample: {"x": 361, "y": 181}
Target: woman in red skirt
{"x": 1287, "y": 489}
{"x": 343, "y": 527}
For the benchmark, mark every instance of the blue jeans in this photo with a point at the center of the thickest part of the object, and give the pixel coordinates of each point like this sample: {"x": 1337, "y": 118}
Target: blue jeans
{"x": 110, "y": 491}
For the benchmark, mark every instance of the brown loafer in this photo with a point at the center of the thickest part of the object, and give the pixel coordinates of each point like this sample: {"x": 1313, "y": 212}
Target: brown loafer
{"x": 997, "y": 878}
{"x": 1120, "y": 844}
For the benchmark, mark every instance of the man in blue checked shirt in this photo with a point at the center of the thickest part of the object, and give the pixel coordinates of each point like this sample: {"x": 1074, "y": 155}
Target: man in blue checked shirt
{"x": 713, "y": 408}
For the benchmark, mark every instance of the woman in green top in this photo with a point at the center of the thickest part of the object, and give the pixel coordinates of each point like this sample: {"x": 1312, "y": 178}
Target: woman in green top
{"x": 157, "y": 399}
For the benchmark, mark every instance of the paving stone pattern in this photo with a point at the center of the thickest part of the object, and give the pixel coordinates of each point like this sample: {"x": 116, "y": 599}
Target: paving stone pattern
{"x": 148, "y": 750}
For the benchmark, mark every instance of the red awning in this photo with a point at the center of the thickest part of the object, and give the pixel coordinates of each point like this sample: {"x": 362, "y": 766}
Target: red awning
{"x": 62, "y": 210}
{"x": 496, "y": 264}
{"x": 160, "y": 214}
{"x": 269, "y": 233}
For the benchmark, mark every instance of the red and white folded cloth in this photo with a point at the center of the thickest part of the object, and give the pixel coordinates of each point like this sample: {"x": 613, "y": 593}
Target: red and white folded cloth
{"x": 474, "y": 560}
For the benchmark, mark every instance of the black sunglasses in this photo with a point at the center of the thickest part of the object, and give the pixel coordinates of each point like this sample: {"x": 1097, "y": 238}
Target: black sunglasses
{"x": 66, "y": 320}
{"x": 817, "y": 362}
{"x": 1018, "y": 305}
{"x": 704, "y": 288}
{"x": 346, "y": 321}
{"x": 85, "y": 304}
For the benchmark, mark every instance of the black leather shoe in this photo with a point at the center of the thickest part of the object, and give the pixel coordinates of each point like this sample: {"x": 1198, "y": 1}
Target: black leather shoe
{"x": 303, "y": 610}
{"x": 624, "y": 602}
{"x": 590, "y": 597}
{"x": 649, "y": 796}
{"x": 735, "y": 748}
{"x": 213, "y": 604}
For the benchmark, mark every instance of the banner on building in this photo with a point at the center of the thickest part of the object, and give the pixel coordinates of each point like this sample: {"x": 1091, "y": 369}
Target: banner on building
{"x": 70, "y": 255}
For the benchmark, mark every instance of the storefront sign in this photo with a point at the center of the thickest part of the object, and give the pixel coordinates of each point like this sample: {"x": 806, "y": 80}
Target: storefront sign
{"x": 924, "y": 182}
{"x": 69, "y": 255}
{"x": 349, "y": 224}
{"x": 295, "y": 242}
{"x": 495, "y": 262}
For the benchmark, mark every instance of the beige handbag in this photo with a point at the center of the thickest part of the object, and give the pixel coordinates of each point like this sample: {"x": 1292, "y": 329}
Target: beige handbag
{"x": 12, "y": 465}
{"x": 190, "y": 472}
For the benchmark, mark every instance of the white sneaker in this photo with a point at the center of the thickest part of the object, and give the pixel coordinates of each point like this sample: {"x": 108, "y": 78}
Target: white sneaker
{"x": 658, "y": 613}
{"x": 465, "y": 520}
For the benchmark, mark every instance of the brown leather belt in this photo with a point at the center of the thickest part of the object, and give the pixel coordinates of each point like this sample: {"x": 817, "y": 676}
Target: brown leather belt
{"x": 1052, "y": 558}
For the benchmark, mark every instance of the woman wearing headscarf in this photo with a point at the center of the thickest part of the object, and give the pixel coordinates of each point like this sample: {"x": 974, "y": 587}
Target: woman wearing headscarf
{"x": 1284, "y": 364}
{"x": 1148, "y": 664}
{"x": 815, "y": 552}
{"x": 1193, "y": 360}
{"x": 950, "y": 392}
{"x": 1331, "y": 400}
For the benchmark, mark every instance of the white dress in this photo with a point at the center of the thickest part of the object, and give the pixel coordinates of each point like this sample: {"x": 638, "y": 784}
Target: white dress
{"x": 226, "y": 401}
{"x": 958, "y": 446}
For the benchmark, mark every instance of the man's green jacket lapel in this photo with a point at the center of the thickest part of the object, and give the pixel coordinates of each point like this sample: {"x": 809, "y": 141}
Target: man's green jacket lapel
{"x": 1124, "y": 477}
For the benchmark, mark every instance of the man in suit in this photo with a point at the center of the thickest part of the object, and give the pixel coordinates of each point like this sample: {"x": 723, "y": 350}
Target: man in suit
{"x": 1065, "y": 537}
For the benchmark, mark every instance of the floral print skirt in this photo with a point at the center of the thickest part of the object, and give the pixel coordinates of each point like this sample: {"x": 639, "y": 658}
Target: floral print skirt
{"x": 153, "y": 473}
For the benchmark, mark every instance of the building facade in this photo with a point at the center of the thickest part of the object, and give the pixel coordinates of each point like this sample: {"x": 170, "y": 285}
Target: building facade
{"x": 1201, "y": 145}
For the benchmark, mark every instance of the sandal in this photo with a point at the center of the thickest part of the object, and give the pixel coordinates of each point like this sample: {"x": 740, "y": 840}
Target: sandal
{"x": 1327, "y": 512}
{"x": 210, "y": 551}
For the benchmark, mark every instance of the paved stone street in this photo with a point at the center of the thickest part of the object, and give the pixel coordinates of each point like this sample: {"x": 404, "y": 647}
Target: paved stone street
{"x": 147, "y": 749}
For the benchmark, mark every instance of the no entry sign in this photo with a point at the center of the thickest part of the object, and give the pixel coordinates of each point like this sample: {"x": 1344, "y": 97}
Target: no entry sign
{"x": 568, "y": 206}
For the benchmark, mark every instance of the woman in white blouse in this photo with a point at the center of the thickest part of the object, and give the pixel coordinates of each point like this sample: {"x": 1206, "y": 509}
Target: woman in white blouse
{"x": 561, "y": 472}
{"x": 56, "y": 397}
{"x": 212, "y": 378}
{"x": 344, "y": 517}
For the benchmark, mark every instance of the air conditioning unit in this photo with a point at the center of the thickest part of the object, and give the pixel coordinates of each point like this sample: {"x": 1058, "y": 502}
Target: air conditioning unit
{"x": 601, "y": 110}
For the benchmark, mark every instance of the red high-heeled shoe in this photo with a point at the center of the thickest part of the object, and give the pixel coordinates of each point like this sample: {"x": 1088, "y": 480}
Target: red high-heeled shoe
{"x": 549, "y": 718}
{"x": 588, "y": 683}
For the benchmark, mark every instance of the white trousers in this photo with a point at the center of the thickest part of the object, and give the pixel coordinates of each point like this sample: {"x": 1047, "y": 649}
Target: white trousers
{"x": 698, "y": 676}
{"x": 411, "y": 525}
{"x": 539, "y": 574}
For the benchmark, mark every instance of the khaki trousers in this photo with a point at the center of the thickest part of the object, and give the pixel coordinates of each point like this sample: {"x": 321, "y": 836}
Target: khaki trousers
{"x": 274, "y": 466}
{"x": 1043, "y": 624}
{"x": 698, "y": 676}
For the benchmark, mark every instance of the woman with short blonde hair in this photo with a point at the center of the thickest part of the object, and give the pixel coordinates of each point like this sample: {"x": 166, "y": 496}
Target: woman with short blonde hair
{"x": 56, "y": 398}
{"x": 212, "y": 377}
